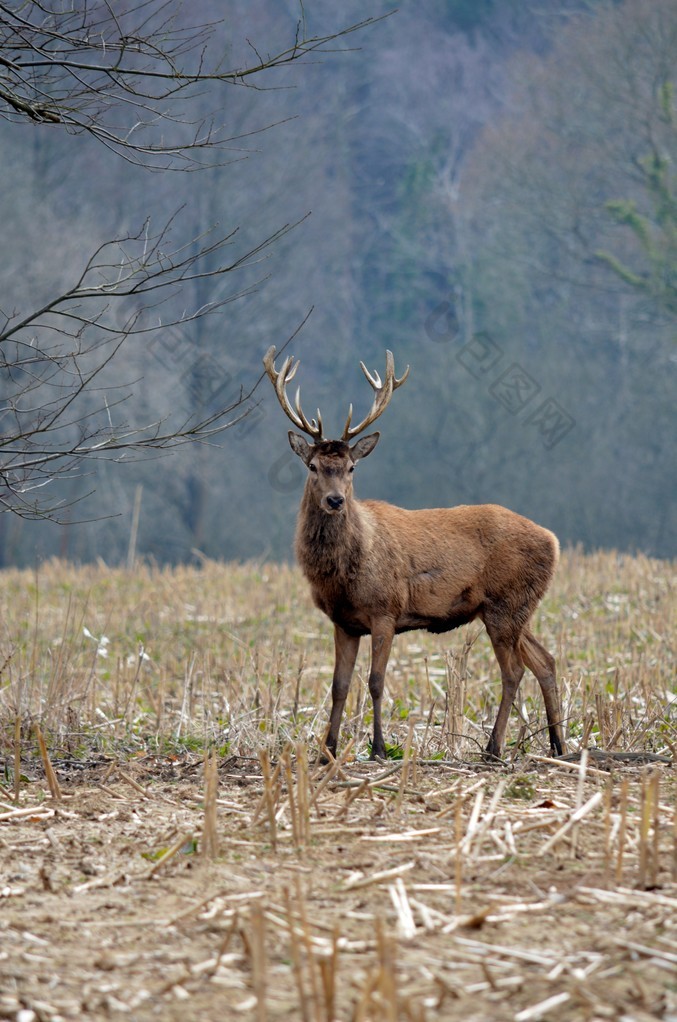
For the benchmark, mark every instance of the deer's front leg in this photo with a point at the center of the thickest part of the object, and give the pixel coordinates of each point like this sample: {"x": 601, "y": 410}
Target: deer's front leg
{"x": 382, "y": 634}
{"x": 345, "y": 648}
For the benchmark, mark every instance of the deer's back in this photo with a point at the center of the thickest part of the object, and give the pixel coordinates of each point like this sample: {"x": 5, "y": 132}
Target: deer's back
{"x": 434, "y": 568}
{"x": 440, "y": 568}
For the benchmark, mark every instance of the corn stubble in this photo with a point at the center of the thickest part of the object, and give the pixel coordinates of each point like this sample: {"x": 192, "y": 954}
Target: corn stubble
{"x": 228, "y": 668}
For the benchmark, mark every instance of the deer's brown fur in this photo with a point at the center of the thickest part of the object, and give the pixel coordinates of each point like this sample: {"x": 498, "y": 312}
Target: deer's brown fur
{"x": 378, "y": 569}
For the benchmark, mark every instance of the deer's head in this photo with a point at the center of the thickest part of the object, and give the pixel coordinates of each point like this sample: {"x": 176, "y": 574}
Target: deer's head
{"x": 331, "y": 463}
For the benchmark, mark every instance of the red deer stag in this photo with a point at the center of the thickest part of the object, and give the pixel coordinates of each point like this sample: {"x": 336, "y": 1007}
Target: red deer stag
{"x": 377, "y": 569}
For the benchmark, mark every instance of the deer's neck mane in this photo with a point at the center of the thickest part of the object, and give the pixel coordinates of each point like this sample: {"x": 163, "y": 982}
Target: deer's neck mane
{"x": 330, "y": 546}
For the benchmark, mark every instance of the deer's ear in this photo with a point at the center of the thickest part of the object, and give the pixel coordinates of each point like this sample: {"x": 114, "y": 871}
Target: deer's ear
{"x": 300, "y": 446}
{"x": 364, "y": 446}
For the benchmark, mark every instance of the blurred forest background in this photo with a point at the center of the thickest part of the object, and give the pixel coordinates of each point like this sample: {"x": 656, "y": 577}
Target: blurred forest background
{"x": 492, "y": 194}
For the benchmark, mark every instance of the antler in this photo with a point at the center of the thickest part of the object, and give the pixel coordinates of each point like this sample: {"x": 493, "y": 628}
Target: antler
{"x": 280, "y": 379}
{"x": 384, "y": 392}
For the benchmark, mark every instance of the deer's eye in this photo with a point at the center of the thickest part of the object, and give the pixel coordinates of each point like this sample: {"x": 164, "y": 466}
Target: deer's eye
{"x": 312, "y": 468}
{"x": 352, "y": 468}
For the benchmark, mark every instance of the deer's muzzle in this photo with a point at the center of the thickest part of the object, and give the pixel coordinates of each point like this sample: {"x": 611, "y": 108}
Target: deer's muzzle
{"x": 333, "y": 503}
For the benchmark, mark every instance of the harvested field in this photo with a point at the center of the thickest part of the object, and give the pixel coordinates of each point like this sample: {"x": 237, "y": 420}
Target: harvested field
{"x": 176, "y": 852}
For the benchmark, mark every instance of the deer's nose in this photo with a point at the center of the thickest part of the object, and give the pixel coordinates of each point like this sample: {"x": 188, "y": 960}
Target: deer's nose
{"x": 335, "y": 501}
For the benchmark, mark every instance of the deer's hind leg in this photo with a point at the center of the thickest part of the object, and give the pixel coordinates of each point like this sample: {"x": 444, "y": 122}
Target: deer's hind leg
{"x": 512, "y": 668}
{"x": 542, "y": 665}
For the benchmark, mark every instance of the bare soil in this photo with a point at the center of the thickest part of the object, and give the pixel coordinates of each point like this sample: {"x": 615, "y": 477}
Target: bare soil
{"x": 375, "y": 892}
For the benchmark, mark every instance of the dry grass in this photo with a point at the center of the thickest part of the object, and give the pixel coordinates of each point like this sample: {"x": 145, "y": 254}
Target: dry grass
{"x": 237, "y": 657}
{"x": 143, "y": 878}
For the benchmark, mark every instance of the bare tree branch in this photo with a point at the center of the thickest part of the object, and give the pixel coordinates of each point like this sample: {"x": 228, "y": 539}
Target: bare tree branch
{"x": 134, "y": 80}
{"x": 51, "y": 358}
{"x": 91, "y": 70}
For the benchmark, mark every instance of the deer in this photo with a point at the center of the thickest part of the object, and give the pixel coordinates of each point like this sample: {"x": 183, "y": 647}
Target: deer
{"x": 377, "y": 569}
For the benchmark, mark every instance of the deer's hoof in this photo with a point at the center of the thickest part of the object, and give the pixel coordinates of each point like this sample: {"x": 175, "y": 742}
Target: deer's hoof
{"x": 492, "y": 753}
